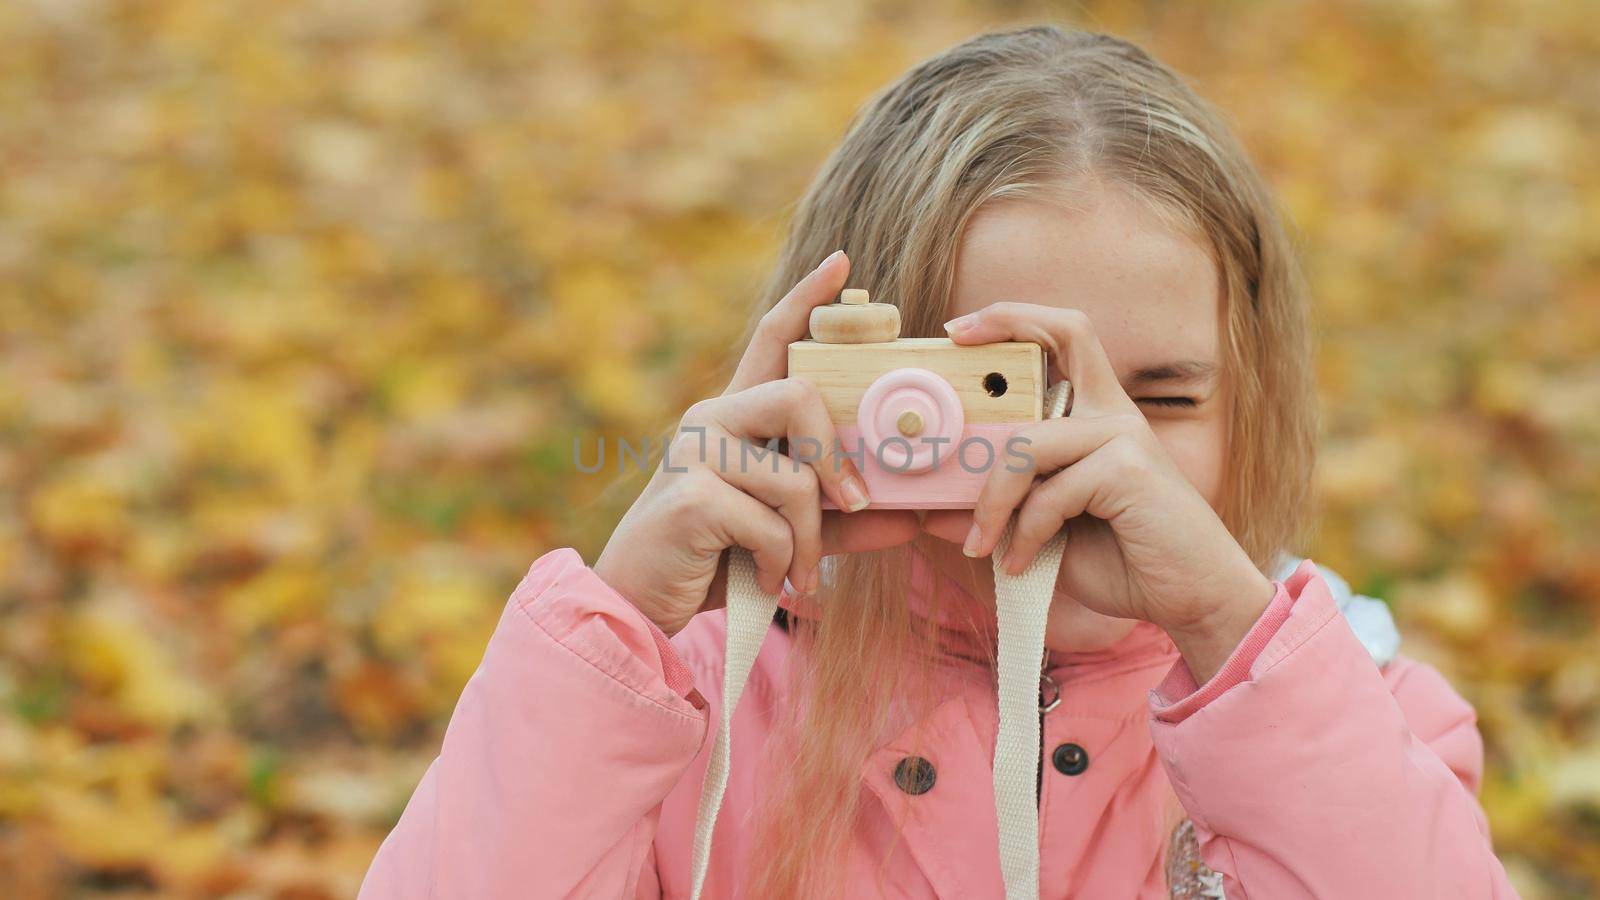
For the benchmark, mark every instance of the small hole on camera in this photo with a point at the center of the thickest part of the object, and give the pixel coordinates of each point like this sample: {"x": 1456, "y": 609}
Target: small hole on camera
{"x": 994, "y": 384}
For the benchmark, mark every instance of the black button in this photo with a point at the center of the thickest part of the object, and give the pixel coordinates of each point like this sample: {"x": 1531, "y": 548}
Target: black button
{"x": 914, "y": 775}
{"x": 1070, "y": 759}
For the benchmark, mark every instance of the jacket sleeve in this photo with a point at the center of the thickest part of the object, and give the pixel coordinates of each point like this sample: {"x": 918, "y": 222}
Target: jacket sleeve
{"x": 575, "y": 727}
{"x": 1310, "y": 772}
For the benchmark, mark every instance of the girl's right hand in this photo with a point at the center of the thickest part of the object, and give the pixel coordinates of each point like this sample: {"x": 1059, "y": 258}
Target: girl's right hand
{"x": 712, "y": 492}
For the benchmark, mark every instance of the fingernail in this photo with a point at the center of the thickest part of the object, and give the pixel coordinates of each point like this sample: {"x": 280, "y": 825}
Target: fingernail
{"x": 974, "y": 541}
{"x": 813, "y": 581}
{"x": 855, "y": 494}
{"x": 961, "y": 323}
{"x": 830, "y": 258}
{"x": 1009, "y": 564}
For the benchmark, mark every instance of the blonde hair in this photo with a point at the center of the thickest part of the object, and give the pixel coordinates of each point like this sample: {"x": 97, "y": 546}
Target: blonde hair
{"x": 1009, "y": 114}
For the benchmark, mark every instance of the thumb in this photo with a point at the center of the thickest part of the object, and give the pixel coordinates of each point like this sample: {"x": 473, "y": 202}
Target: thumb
{"x": 767, "y": 356}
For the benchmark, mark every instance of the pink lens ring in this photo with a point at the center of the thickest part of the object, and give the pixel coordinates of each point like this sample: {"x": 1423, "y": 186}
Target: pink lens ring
{"x": 910, "y": 418}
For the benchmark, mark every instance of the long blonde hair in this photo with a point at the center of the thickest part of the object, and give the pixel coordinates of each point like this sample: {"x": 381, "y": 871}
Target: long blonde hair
{"x": 1008, "y": 114}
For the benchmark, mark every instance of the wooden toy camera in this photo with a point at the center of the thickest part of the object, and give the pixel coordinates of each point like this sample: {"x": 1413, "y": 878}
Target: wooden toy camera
{"x": 924, "y": 419}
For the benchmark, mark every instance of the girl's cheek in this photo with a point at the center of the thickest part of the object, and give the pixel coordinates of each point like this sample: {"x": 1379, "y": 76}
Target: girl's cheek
{"x": 1197, "y": 447}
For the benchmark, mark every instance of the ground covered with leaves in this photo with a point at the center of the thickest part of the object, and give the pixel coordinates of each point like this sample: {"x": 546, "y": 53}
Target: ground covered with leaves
{"x": 293, "y": 299}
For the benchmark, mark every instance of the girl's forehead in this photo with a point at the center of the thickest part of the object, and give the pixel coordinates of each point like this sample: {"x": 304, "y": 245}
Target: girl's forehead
{"x": 1152, "y": 292}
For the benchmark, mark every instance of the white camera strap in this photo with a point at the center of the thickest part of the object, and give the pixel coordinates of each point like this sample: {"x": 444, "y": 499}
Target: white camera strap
{"x": 1022, "y": 604}
{"x": 750, "y": 611}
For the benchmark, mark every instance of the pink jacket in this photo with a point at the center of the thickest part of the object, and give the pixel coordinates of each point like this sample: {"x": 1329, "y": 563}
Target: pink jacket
{"x": 573, "y": 763}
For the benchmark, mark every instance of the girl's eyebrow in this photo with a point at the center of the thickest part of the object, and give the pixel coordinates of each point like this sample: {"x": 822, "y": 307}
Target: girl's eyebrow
{"x": 1187, "y": 370}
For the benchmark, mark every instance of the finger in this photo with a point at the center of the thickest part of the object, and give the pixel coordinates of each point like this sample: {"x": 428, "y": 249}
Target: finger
{"x": 790, "y": 488}
{"x": 1068, "y": 336}
{"x": 1064, "y": 496}
{"x": 767, "y": 356}
{"x": 792, "y": 408}
{"x": 743, "y": 521}
{"x": 1050, "y": 445}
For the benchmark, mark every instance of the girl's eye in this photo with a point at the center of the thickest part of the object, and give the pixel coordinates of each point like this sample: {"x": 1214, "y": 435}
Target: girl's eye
{"x": 1184, "y": 402}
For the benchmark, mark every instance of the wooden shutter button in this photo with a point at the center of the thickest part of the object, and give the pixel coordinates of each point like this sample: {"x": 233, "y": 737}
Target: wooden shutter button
{"x": 855, "y": 319}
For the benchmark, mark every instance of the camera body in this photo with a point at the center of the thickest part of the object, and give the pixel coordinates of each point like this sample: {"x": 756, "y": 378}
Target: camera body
{"x": 924, "y": 419}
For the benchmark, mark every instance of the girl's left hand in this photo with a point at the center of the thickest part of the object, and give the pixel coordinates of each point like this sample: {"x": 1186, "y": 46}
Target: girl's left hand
{"x": 1142, "y": 543}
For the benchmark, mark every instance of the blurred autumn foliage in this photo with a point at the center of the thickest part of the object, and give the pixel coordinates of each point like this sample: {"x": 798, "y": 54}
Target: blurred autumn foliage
{"x": 303, "y": 303}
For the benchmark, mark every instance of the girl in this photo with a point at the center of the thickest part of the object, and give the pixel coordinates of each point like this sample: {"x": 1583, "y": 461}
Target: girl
{"x": 1216, "y": 717}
